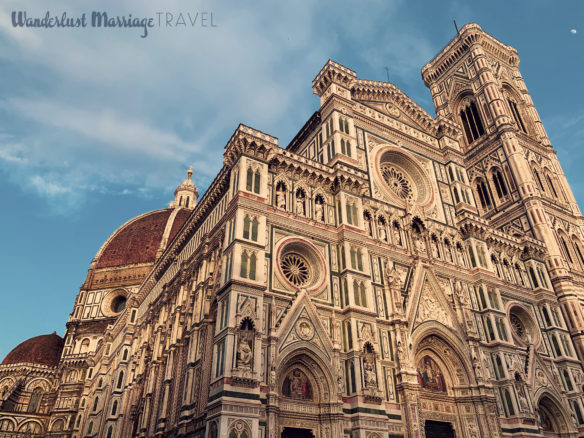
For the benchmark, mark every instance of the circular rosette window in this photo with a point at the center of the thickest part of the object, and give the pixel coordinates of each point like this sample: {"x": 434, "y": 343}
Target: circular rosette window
{"x": 299, "y": 265}
{"x": 402, "y": 178}
{"x": 114, "y": 303}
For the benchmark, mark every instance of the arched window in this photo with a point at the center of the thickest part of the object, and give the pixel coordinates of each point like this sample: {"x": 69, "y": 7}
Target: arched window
{"x": 519, "y": 274}
{"x": 35, "y": 400}
{"x": 508, "y": 402}
{"x": 346, "y": 127}
{"x": 90, "y": 428}
{"x": 499, "y": 367}
{"x": 246, "y": 226}
{"x": 249, "y": 179}
{"x": 252, "y": 266}
{"x": 110, "y": 431}
{"x": 471, "y": 122}
{"x": 499, "y": 182}
{"x": 120, "y": 380}
{"x": 95, "y": 404}
{"x": 556, "y": 345}
{"x": 546, "y": 316}
{"x": 348, "y": 148}
{"x": 483, "y": 193}
{"x": 252, "y": 181}
{"x": 180, "y": 201}
{"x": 353, "y": 254}
{"x": 125, "y": 355}
{"x": 537, "y": 177}
{"x": 359, "y": 260}
{"x": 356, "y": 295}
{"x": 551, "y": 186}
{"x": 84, "y": 346}
{"x": 346, "y": 291}
{"x": 568, "y": 380}
{"x": 343, "y": 150}
{"x": 6, "y": 426}
{"x": 363, "y": 295}
{"x": 533, "y": 278}
{"x": 353, "y": 380}
{"x": 256, "y": 182}
{"x": 115, "y": 407}
{"x": 516, "y": 115}
{"x": 578, "y": 248}
{"x": 566, "y": 249}
{"x": 254, "y": 229}
{"x": 243, "y": 270}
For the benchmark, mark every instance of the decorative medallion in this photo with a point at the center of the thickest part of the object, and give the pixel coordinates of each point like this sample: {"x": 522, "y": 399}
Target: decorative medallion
{"x": 304, "y": 329}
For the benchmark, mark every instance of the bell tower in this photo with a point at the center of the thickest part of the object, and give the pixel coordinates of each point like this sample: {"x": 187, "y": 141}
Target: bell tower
{"x": 516, "y": 178}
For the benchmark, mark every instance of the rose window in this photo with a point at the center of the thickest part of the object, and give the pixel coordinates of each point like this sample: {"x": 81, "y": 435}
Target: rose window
{"x": 296, "y": 269}
{"x": 517, "y": 326}
{"x": 397, "y": 182}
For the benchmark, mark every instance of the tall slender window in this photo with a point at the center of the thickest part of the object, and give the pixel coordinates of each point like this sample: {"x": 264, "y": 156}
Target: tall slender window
{"x": 256, "y": 182}
{"x": 483, "y": 193}
{"x": 363, "y": 295}
{"x": 246, "y": 226}
{"x": 551, "y": 186}
{"x": 471, "y": 122}
{"x": 252, "y": 266}
{"x": 499, "y": 182}
{"x": 356, "y": 296}
{"x": 516, "y": 115}
{"x": 254, "y": 229}
{"x": 567, "y": 251}
{"x": 249, "y": 180}
{"x": 243, "y": 270}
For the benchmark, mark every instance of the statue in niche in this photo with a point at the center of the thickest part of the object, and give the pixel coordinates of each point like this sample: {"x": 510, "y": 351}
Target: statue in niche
{"x": 382, "y": 232}
{"x": 281, "y": 196}
{"x": 430, "y": 375}
{"x": 397, "y": 239}
{"x": 394, "y": 283}
{"x": 460, "y": 294}
{"x": 368, "y": 226}
{"x": 300, "y": 204}
{"x": 319, "y": 209}
{"x": 297, "y": 386}
{"x": 245, "y": 345}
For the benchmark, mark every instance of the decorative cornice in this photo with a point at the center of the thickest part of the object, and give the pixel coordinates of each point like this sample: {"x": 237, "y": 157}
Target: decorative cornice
{"x": 332, "y": 72}
{"x": 458, "y": 47}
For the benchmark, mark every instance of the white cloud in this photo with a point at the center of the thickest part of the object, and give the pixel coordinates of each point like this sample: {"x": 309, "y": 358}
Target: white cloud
{"x": 105, "y": 126}
{"x": 573, "y": 31}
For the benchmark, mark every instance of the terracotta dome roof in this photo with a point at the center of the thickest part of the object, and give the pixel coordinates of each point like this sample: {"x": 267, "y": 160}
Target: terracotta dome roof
{"x": 138, "y": 240}
{"x": 42, "y": 350}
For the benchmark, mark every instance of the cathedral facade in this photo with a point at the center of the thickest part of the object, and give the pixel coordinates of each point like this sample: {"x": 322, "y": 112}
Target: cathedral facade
{"x": 387, "y": 274}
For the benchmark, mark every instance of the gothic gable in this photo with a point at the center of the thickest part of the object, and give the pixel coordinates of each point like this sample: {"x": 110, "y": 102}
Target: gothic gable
{"x": 301, "y": 326}
{"x": 429, "y": 303}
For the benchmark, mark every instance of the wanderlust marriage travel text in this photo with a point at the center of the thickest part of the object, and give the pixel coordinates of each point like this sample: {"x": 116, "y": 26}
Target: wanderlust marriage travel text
{"x": 104, "y": 20}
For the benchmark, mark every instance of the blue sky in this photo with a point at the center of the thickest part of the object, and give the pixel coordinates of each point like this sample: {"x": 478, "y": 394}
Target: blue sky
{"x": 98, "y": 126}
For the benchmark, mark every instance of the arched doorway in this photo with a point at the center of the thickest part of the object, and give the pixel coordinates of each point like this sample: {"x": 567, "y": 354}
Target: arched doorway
{"x": 306, "y": 405}
{"x": 445, "y": 377}
{"x": 552, "y": 421}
